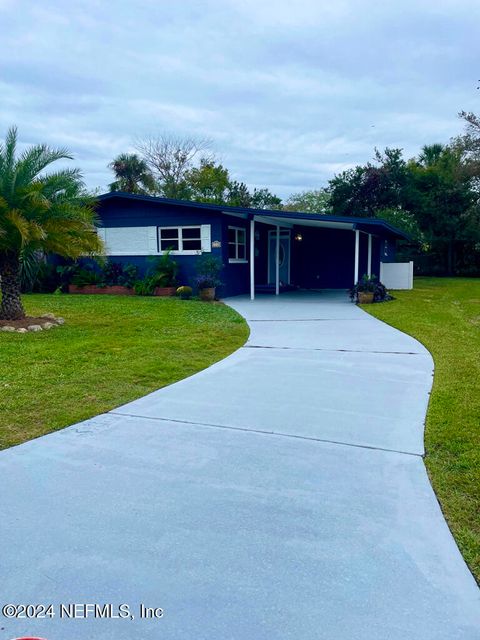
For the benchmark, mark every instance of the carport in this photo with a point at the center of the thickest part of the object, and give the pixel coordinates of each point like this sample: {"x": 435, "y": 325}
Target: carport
{"x": 314, "y": 251}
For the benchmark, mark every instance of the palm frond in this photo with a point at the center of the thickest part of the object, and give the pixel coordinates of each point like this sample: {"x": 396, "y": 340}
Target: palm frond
{"x": 44, "y": 212}
{"x": 18, "y": 224}
{"x": 67, "y": 182}
{"x": 34, "y": 160}
{"x": 10, "y": 147}
{"x": 30, "y": 261}
{"x": 7, "y": 160}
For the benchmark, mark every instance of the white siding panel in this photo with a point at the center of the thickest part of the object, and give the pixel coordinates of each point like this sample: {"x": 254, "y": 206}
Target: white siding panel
{"x": 131, "y": 241}
{"x": 205, "y": 234}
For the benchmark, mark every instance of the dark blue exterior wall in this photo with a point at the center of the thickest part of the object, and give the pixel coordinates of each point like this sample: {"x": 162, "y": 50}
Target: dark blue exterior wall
{"x": 323, "y": 259}
{"x": 131, "y": 213}
{"x": 387, "y": 249}
{"x": 235, "y": 275}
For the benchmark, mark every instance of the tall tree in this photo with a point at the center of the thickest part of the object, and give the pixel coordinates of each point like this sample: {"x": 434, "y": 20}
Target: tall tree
{"x": 238, "y": 194}
{"x": 313, "y": 201}
{"x": 170, "y": 158}
{"x": 264, "y": 199}
{"x": 470, "y": 140}
{"x": 39, "y": 211}
{"x": 468, "y": 145}
{"x": 363, "y": 190}
{"x": 132, "y": 175}
{"x": 208, "y": 182}
{"x": 443, "y": 201}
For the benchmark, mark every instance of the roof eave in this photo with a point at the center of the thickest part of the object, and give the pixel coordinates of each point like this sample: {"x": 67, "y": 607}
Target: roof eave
{"x": 249, "y": 213}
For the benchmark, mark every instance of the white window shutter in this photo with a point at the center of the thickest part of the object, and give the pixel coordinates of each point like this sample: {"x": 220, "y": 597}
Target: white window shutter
{"x": 128, "y": 241}
{"x": 205, "y": 235}
{"x": 152, "y": 240}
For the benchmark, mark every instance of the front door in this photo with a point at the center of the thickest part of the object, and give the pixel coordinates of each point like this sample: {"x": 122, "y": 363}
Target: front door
{"x": 284, "y": 255}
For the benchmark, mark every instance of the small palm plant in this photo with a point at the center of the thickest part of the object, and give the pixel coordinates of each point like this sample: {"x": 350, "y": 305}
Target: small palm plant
{"x": 47, "y": 212}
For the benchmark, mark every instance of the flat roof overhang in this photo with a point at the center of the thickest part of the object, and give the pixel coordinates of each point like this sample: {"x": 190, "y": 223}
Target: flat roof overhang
{"x": 375, "y": 226}
{"x": 290, "y": 222}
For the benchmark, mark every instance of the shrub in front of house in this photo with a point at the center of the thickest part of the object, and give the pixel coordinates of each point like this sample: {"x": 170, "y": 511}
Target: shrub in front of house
{"x": 116, "y": 274}
{"x": 160, "y": 279}
{"x": 107, "y": 277}
{"x": 184, "y": 292}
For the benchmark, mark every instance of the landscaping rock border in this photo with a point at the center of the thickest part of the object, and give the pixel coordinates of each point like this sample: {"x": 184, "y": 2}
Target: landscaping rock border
{"x": 44, "y": 322}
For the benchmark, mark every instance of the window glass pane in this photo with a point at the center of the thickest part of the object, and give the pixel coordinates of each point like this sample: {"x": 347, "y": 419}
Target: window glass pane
{"x": 241, "y": 251}
{"x": 191, "y": 245}
{"x": 232, "y": 253}
{"x": 169, "y": 233}
{"x": 191, "y": 233}
{"x": 231, "y": 234}
{"x": 241, "y": 236}
{"x": 168, "y": 244}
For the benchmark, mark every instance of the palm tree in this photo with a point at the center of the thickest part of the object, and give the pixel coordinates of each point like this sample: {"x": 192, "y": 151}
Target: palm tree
{"x": 431, "y": 154}
{"x": 48, "y": 212}
{"x": 132, "y": 174}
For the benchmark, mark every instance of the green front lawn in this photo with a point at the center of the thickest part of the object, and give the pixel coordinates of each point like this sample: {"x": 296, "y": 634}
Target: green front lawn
{"x": 444, "y": 314}
{"x": 111, "y": 350}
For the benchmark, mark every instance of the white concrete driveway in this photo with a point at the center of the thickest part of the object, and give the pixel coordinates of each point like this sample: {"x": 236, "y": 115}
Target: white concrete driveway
{"x": 279, "y": 494}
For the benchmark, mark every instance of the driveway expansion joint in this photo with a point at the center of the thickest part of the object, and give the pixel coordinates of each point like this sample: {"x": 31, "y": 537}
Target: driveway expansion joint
{"x": 260, "y": 346}
{"x": 268, "y": 433}
{"x": 305, "y": 320}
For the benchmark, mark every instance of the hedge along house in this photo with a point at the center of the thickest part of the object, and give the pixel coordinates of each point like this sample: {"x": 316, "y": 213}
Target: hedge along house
{"x": 262, "y": 250}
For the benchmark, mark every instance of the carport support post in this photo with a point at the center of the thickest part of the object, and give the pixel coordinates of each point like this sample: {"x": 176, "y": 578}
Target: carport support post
{"x": 369, "y": 265}
{"x": 357, "y": 252}
{"x": 252, "y": 259}
{"x": 277, "y": 263}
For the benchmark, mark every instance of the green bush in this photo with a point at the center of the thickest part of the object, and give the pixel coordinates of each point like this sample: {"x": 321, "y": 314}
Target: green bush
{"x": 208, "y": 271}
{"x": 145, "y": 287}
{"x": 184, "y": 292}
{"x": 163, "y": 270}
{"x": 86, "y": 277}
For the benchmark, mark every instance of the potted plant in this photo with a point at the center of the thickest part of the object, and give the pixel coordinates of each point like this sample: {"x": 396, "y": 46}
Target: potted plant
{"x": 207, "y": 281}
{"x": 368, "y": 289}
{"x": 206, "y": 287}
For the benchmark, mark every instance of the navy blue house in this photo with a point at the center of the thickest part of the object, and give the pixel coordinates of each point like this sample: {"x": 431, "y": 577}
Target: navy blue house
{"x": 261, "y": 250}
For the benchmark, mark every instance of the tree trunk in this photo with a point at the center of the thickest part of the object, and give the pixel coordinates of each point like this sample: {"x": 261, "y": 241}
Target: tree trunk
{"x": 11, "y": 307}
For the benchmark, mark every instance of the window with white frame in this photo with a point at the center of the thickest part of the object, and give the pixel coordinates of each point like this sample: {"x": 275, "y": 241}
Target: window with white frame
{"x": 187, "y": 240}
{"x": 237, "y": 244}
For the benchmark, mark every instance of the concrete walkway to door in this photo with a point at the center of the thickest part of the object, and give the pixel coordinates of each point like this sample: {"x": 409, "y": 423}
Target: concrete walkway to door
{"x": 279, "y": 494}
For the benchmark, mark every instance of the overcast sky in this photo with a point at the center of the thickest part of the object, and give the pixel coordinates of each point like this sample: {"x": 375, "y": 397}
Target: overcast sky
{"x": 290, "y": 91}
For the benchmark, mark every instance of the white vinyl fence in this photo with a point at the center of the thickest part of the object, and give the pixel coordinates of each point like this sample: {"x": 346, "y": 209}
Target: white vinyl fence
{"x": 397, "y": 275}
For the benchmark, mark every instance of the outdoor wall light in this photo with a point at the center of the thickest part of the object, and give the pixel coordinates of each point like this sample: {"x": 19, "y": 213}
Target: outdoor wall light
{"x": 298, "y": 237}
